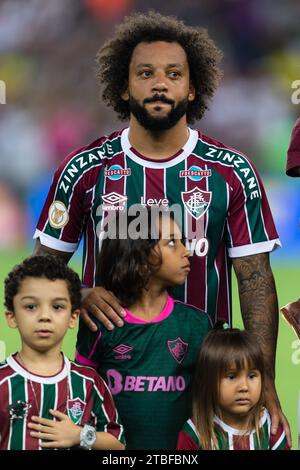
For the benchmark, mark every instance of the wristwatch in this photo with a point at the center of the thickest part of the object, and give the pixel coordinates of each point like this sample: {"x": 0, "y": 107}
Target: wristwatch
{"x": 87, "y": 437}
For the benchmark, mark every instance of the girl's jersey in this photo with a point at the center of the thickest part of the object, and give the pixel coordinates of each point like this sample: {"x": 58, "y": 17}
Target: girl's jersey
{"x": 76, "y": 391}
{"x": 233, "y": 439}
{"x": 215, "y": 191}
{"x": 148, "y": 367}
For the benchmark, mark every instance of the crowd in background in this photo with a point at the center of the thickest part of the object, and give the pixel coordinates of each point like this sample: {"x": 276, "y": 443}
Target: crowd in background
{"x": 53, "y": 105}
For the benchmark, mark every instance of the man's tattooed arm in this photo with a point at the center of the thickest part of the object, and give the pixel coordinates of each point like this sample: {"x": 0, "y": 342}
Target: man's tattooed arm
{"x": 259, "y": 306}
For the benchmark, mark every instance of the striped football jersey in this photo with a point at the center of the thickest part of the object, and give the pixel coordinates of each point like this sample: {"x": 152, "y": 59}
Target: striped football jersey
{"x": 221, "y": 202}
{"x": 76, "y": 390}
{"x": 232, "y": 439}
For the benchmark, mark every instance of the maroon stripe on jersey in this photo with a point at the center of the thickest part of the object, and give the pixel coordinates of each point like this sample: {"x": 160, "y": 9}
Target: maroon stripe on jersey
{"x": 87, "y": 415}
{"x": 34, "y": 398}
{"x": 6, "y": 372}
{"x": 222, "y": 309}
{"x": 195, "y": 295}
{"x": 71, "y": 232}
{"x": 90, "y": 261}
{"x": 155, "y": 185}
{"x": 241, "y": 442}
{"x": 50, "y": 198}
{"x": 4, "y": 413}
{"x": 266, "y": 213}
{"x": 63, "y": 395}
{"x": 238, "y": 226}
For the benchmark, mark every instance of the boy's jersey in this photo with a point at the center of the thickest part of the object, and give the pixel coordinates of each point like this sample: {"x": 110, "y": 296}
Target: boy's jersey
{"x": 77, "y": 391}
{"x": 148, "y": 367}
{"x": 221, "y": 204}
{"x": 232, "y": 439}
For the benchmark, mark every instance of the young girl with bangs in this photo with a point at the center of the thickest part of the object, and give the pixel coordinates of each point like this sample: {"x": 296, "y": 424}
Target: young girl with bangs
{"x": 228, "y": 412}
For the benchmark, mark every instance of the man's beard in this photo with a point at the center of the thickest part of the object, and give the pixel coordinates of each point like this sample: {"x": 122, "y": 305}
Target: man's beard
{"x": 157, "y": 123}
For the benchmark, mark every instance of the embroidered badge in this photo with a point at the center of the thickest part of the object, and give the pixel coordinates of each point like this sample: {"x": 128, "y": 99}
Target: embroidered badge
{"x": 196, "y": 201}
{"x": 58, "y": 215}
{"x": 76, "y": 409}
{"x": 178, "y": 349}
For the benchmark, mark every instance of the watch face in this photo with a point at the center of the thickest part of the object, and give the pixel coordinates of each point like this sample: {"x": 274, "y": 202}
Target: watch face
{"x": 90, "y": 435}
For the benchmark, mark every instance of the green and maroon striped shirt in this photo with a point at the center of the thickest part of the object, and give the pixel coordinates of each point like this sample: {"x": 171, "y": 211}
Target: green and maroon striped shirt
{"x": 76, "y": 390}
{"x": 223, "y": 208}
{"x": 233, "y": 439}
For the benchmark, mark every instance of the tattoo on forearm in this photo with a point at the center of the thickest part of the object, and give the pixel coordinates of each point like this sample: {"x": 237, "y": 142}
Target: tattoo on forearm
{"x": 259, "y": 304}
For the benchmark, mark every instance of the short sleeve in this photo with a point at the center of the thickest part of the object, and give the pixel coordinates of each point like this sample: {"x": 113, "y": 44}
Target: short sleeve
{"x": 89, "y": 345}
{"x": 107, "y": 419}
{"x": 250, "y": 228}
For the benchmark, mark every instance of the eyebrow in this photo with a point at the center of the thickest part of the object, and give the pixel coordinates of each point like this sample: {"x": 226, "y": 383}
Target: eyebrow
{"x": 151, "y": 65}
{"x": 32, "y": 297}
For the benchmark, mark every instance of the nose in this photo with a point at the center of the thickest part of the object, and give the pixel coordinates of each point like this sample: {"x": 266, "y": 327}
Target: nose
{"x": 159, "y": 85}
{"x": 44, "y": 314}
{"x": 243, "y": 384}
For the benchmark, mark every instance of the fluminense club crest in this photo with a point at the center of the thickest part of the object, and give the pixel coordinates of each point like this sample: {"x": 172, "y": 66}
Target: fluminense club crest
{"x": 196, "y": 201}
{"x": 76, "y": 409}
{"x": 178, "y": 349}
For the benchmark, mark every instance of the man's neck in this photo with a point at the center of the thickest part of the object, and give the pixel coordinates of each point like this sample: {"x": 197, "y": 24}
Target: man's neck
{"x": 41, "y": 363}
{"x": 158, "y": 145}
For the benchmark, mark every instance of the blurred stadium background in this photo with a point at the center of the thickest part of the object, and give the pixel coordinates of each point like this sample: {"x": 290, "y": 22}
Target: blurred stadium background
{"x": 47, "y": 52}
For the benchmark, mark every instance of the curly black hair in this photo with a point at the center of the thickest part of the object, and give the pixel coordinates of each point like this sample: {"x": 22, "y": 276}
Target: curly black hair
{"x": 42, "y": 266}
{"x": 124, "y": 265}
{"x": 114, "y": 57}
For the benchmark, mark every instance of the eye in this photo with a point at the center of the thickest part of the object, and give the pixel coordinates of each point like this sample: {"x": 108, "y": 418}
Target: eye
{"x": 252, "y": 375}
{"x": 58, "y": 307}
{"x": 230, "y": 376}
{"x": 174, "y": 74}
{"x": 30, "y": 307}
{"x": 145, "y": 74}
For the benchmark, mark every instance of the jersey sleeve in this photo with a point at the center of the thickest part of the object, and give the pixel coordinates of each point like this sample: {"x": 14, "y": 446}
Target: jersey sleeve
{"x": 107, "y": 419}
{"x": 187, "y": 438}
{"x": 250, "y": 227}
{"x": 89, "y": 345}
{"x": 293, "y": 154}
{"x": 66, "y": 209}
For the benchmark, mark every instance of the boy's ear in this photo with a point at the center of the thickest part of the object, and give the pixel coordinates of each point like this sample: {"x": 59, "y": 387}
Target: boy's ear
{"x": 74, "y": 318}
{"x": 11, "y": 319}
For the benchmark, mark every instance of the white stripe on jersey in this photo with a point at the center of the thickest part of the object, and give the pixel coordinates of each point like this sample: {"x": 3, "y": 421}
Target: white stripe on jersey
{"x": 25, "y": 417}
{"x": 245, "y": 208}
{"x": 10, "y": 402}
{"x": 277, "y": 444}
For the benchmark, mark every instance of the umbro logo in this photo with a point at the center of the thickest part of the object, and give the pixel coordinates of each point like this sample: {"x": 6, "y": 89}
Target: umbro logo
{"x": 113, "y": 201}
{"x": 122, "y": 351}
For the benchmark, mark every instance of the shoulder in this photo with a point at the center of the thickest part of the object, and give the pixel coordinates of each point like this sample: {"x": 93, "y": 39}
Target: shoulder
{"x": 229, "y": 161}
{"x": 6, "y": 371}
{"x": 192, "y": 311}
{"x": 85, "y": 372}
{"x": 188, "y": 437}
{"x": 94, "y": 155}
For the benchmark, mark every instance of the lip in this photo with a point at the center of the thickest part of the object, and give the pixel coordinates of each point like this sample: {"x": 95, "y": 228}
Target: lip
{"x": 43, "y": 333}
{"x": 186, "y": 267}
{"x": 243, "y": 401}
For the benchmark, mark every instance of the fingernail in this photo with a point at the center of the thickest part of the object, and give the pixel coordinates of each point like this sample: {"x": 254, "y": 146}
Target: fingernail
{"x": 123, "y": 313}
{"x": 94, "y": 328}
{"x": 120, "y": 323}
{"x": 110, "y": 327}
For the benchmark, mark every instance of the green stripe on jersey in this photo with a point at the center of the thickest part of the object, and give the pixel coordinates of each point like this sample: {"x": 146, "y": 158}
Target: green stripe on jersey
{"x": 18, "y": 387}
{"x": 77, "y": 386}
{"x": 49, "y": 394}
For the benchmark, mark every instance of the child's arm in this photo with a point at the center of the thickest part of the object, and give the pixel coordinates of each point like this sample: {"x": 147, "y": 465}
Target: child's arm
{"x": 64, "y": 433}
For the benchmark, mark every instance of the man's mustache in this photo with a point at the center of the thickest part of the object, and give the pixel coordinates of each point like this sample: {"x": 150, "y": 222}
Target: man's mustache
{"x": 161, "y": 98}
